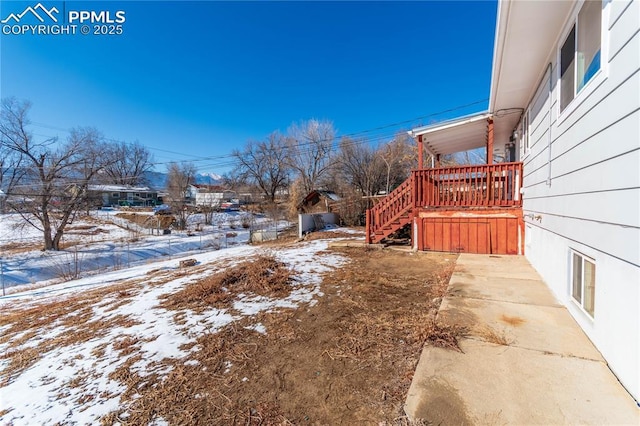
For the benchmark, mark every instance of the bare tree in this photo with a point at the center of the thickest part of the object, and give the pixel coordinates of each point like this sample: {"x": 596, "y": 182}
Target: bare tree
{"x": 474, "y": 156}
{"x": 54, "y": 185}
{"x": 264, "y": 164}
{"x": 398, "y": 158}
{"x": 361, "y": 166}
{"x": 128, "y": 163}
{"x": 207, "y": 203}
{"x": 11, "y": 171}
{"x": 362, "y": 171}
{"x": 208, "y": 210}
{"x": 180, "y": 177}
{"x": 309, "y": 151}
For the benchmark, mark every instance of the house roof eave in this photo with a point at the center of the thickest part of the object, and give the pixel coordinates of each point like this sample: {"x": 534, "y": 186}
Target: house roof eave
{"x": 533, "y": 27}
{"x": 457, "y": 135}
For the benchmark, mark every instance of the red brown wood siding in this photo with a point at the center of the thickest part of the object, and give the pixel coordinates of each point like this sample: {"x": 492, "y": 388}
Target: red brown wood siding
{"x": 478, "y": 233}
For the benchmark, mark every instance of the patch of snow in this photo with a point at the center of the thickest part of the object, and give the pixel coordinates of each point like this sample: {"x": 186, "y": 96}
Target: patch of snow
{"x": 260, "y": 328}
{"x": 71, "y": 384}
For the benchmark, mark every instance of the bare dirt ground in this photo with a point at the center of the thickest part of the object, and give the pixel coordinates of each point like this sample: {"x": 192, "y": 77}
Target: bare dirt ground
{"x": 347, "y": 359}
{"x": 147, "y": 221}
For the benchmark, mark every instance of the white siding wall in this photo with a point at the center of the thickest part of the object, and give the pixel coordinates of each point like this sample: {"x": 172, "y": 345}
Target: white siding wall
{"x": 592, "y": 201}
{"x": 213, "y": 199}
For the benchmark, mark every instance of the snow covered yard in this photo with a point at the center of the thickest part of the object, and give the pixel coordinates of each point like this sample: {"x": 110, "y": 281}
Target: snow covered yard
{"x": 80, "y": 352}
{"x": 105, "y": 241}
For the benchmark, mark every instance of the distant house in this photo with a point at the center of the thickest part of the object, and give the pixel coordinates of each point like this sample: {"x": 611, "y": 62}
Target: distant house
{"x": 210, "y": 195}
{"x": 123, "y": 195}
{"x": 318, "y": 201}
{"x": 561, "y": 182}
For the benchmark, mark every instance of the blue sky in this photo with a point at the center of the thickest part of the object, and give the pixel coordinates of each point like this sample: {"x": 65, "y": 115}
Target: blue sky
{"x": 201, "y": 78}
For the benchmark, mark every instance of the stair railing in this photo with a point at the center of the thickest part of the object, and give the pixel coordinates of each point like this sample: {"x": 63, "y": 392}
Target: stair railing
{"x": 394, "y": 205}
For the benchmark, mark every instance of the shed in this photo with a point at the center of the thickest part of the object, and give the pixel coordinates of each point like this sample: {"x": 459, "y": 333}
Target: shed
{"x": 319, "y": 201}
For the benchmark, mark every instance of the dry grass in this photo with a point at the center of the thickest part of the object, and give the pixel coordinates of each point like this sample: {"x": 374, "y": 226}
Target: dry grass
{"x": 488, "y": 334}
{"x": 264, "y": 276}
{"x": 126, "y": 345}
{"x": 325, "y": 235}
{"x": 85, "y": 230}
{"x": 353, "y": 353}
{"x": 441, "y": 335}
{"x": 75, "y": 314}
{"x": 405, "y": 421}
{"x": 79, "y": 330}
{"x": 20, "y": 247}
{"x": 200, "y": 389}
{"x": 356, "y": 348}
{"x": 148, "y": 221}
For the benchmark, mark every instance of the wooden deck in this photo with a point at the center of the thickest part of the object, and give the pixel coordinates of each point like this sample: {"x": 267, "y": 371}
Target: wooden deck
{"x": 475, "y": 209}
{"x": 470, "y": 186}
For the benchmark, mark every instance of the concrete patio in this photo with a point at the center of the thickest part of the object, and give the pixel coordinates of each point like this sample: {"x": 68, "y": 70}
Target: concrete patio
{"x": 525, "y": 360}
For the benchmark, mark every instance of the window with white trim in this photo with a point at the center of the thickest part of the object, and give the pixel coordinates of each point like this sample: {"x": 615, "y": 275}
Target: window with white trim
{"x": 580, "y": 52}
{"x": 583, "y": 281}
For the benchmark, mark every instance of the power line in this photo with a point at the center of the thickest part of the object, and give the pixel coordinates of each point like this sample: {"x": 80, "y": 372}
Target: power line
{"x": 218, "y": 160}
{"x": 368, "y": 136}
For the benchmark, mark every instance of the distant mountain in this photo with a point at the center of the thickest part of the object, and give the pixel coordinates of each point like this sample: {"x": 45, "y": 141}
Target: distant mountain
{"x": 212, "y": 178}
{"x": 158, "y": 180}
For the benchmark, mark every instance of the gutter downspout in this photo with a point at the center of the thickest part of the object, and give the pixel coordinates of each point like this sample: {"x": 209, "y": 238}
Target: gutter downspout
{"x": 550, "y": 67}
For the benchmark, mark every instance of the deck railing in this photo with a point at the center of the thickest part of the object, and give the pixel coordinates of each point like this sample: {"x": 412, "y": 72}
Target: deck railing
{"x": 486, "y": 185}
{"x": 391, "y": 207}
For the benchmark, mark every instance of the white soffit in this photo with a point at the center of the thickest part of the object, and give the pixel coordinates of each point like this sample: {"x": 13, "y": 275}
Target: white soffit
{"x": 448, "y": 137}
{"x": 526, "y": 34}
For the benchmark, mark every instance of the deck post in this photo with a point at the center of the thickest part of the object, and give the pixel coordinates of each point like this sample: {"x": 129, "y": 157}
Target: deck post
{"x": 367, "y": 238}
{"x": 420, "y": 153}
{"x": 490, "y": 187}
{"x": 490, "y": 141}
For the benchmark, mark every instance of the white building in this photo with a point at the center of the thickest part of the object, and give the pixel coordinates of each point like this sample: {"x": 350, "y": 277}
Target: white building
{"x": 566, "y": 90}
{"x": 210, "y": 195}
{"x": 565, "y": 105}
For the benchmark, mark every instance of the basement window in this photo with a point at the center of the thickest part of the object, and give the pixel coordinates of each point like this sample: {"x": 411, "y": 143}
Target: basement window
{"x": 583, "y": 281}
{"x": 580, "y": 52}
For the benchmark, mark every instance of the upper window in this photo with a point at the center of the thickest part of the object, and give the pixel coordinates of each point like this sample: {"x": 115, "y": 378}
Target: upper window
{"x": 580, "y": 52}
{"x": 583, "y": 282}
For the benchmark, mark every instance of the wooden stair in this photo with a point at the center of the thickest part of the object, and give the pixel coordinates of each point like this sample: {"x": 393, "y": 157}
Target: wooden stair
{"x": 394, "y": 212}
